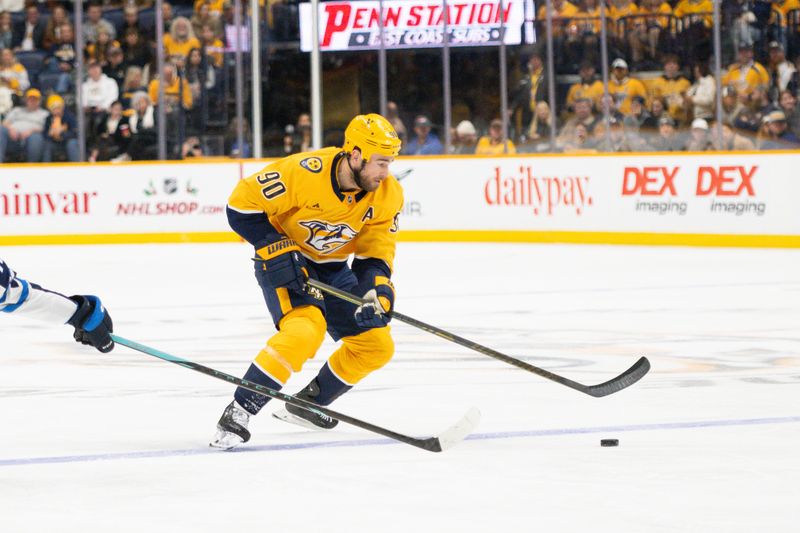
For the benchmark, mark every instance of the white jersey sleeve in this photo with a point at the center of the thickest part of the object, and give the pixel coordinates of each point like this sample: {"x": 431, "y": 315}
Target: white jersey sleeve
{"x": 23, "y": 298}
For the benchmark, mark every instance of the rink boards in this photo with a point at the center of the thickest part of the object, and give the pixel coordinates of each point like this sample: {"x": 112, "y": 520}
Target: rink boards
{"x": 742, "y": 199}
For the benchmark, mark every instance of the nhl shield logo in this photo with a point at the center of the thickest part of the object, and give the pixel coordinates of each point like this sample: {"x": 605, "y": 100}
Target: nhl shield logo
{"x": 312, "y": 164}
{"x": 170, "y": 185}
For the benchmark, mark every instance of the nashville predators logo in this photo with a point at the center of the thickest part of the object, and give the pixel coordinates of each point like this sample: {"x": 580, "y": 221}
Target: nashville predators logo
{"x": 313, "y": 164}
{"x": 325, "y": 237}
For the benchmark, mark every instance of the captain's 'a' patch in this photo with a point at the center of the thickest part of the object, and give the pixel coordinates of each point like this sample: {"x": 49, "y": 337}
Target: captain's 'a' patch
{"x": 313, "y": 164}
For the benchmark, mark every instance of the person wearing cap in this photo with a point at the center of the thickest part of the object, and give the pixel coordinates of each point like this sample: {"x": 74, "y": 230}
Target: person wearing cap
{"x": 623, "y": 88}
{"x": 672, "y": 86}
{"x": 21, "y": 131}
{"x": 746, "y": 73}
{"x": 12, "y": 73}
{"x": 589, "y": 87}
{"x": 731, "y": 104}
{"x": 425, "y": 142}
{"x": 668, "y": 139}
{"x": 780, "y": 70}
{"x": 465, "y": 138}
{"x": 330, "y": 215}
{"x": 776, "y": 134}
{"x": 698, "y": 136}
{"x": 60, "y": 131}
{"x": 492, "y": 143}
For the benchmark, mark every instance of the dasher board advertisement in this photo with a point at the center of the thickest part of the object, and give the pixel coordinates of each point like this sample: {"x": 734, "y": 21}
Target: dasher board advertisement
{"x": 417, "y": 24}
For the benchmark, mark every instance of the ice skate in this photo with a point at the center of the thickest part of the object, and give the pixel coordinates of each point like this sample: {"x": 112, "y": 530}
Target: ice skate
{"x": 305, "y": 417}
{"x": 231, "y": 428}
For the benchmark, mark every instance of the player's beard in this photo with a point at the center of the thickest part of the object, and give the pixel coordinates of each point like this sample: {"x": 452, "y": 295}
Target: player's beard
{"x": 357, "y": 177}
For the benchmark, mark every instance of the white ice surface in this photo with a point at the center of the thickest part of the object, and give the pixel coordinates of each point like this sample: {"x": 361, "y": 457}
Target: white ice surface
{"x": 709, "y": 440}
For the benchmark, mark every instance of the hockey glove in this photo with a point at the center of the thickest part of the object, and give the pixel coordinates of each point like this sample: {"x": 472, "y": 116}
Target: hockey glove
{"x": 376, "y": 312}
{"x": 285, "y": 266}
{"x": 92, "y": 323}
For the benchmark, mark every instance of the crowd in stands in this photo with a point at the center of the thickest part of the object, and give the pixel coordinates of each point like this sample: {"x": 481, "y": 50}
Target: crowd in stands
{"x": 661, "y": 93}
{"x": 120, "y": 85}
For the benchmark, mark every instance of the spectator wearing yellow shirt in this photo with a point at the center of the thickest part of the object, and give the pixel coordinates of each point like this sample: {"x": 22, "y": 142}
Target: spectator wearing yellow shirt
{"x": 12, "y": 74}
{"x": 783, "y": 7}
{"x": 172, "y": 90}
{"x": 746, "y": 74}
{"x": 214, "y": 6}
{"x": 493, "y": 144}
{"x": 671, "y": 87}
{"x": 695, "y": 12}
{"x": 653, "y": 18}
{"x": 213, "y": 46}
{"x": 562, "y": 10}
{"x": 623, "y": 88}
{"x": 616, "y": 11}
{"x": 589, "y": 87}
{"x": 180, "y": 39}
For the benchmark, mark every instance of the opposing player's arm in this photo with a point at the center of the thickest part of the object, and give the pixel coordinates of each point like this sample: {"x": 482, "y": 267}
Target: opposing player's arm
{"x": 92, "y": 323}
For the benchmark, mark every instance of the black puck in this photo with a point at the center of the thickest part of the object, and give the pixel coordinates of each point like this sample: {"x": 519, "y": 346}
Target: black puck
{"x": 609, "y": 442}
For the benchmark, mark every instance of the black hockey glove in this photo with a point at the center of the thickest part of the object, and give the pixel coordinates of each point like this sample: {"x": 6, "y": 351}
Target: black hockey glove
{"x": 285, "y": 266}
{"x": 376, "y": 312}
{"x": 92, "y": 323}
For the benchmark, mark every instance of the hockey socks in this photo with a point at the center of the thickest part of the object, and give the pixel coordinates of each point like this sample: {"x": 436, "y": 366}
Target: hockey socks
{"x": 251, "y": 401}
{"x": 330, "y": 386}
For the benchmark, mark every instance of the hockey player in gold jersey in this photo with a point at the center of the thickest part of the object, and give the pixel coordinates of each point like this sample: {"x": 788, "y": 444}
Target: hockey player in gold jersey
{"x": 305, "y": 216}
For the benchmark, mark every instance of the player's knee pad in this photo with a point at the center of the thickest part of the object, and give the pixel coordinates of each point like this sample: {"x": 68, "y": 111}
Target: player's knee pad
{"x": 361, "y": 354}
{"x": 301, "y": 333}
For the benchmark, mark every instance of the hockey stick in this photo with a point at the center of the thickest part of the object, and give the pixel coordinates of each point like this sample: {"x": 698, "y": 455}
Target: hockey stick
{"x": 622, "y": 381}
{"x": 446, "y": 439}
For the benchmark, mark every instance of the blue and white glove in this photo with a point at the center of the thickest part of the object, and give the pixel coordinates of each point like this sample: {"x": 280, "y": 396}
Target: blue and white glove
{"x": 376, "y": 311}
{"x": 92, "y": 323}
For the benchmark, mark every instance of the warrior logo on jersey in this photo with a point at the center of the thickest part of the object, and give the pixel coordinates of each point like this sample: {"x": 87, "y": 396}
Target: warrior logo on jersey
{"x": 313, "y": 164}
{"x": 325, "y": 237}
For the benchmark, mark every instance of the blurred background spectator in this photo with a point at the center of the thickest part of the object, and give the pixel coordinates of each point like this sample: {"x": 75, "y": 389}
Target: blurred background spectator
{"x": 424, "y": 142}
{"x": 492, "y": 143}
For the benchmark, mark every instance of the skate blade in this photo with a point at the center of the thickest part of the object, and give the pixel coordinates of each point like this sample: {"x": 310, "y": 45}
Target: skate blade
{"x": 286, "y": 416}
{"x": 224, "y": 440}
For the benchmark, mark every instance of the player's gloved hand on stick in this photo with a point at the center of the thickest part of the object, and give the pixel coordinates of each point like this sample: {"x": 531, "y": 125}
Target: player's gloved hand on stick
{"x": 376, "y": 312}
{"x": 285, "y": 266}
{"x": 92, "y": 323}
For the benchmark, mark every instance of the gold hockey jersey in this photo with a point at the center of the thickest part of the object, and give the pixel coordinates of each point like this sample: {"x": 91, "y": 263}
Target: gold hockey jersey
{"x": 299, "y": 197}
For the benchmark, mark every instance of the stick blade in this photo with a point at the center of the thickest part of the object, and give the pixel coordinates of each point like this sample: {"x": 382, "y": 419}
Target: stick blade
{"x": 623, "y": 381}
{"x": 455, "y": 433}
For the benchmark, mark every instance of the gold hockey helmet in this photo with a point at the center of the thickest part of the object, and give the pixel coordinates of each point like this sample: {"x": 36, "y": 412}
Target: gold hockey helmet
{"x": 372, "y": 134}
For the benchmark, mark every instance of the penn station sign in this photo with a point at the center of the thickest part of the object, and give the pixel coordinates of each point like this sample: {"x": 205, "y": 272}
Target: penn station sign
{"x": 417, "y": 24}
